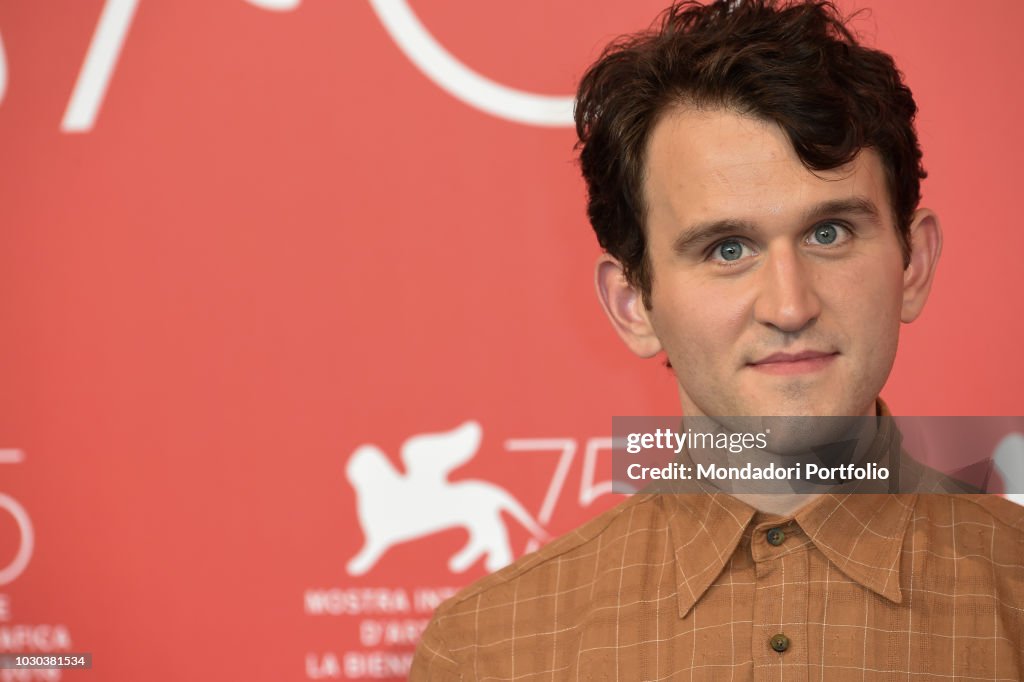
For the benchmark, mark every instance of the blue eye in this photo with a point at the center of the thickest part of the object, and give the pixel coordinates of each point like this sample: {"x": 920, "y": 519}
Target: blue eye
{"x": 729, "y": 250}
{"x": 827, "y": 234}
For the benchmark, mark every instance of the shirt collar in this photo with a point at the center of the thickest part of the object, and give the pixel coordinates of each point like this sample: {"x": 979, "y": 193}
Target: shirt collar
{"x": 861, "y": 534}
{"x": 705, "y": 529}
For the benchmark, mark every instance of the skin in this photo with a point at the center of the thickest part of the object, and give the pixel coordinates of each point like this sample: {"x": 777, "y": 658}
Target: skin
{"x": 819, "y": 269}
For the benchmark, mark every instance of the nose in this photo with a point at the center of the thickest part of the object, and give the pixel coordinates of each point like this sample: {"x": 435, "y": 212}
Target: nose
{"x": 786, "y": 299}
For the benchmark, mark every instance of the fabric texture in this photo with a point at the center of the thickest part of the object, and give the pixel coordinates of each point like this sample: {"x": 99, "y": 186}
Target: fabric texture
{"x": 693, "y": 586}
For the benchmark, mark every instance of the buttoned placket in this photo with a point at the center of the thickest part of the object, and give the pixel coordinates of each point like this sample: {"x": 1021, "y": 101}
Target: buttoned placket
{"x": 779, "y": 549}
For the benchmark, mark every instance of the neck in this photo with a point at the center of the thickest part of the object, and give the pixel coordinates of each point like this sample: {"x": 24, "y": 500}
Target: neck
{"x": 781, "y": 504}
{"x": 799, "y": 442}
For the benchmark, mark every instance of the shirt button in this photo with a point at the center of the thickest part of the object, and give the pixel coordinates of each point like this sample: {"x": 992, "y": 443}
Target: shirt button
{"x": 779, "y": 642}
{"x": 775, "y": 536}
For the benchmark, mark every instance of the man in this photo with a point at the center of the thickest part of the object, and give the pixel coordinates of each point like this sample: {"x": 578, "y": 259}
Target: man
{"x": 753, "y": 177}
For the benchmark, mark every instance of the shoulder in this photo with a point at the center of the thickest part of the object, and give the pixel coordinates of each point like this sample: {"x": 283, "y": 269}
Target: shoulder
{"x": 975, "y": 540}
{"x": 598, "y": 535}
{"x": 557, "y": 583}
{"x": 969, "y": 550}
{"x": 1000, "y": 509}
{"x": 1005, "y": 518}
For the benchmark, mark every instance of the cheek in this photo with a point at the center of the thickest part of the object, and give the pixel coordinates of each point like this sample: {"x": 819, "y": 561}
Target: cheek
{"x": 699, "y": 330}
{"x": 867, "y": 300}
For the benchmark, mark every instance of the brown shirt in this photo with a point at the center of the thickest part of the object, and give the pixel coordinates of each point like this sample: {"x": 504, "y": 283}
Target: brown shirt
{"x": 860, "y": 587}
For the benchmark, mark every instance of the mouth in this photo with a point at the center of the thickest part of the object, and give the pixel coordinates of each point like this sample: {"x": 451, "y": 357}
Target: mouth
{"x": 794, "y": 363}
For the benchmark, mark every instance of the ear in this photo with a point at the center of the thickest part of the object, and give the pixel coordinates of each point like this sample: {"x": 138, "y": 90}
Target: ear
{"x": 925, "y": 247}
{"x": 624, "y": 306}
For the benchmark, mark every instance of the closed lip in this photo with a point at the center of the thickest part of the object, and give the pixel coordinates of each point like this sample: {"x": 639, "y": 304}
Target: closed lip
{"x": 775, "y": 358}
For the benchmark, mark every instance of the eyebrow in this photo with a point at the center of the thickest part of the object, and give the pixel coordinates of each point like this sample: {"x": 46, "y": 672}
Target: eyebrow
{"x": 709, "y": 231}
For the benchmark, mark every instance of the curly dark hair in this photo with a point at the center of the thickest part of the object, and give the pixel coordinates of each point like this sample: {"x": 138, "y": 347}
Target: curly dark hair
{"x": 794, "y": 63}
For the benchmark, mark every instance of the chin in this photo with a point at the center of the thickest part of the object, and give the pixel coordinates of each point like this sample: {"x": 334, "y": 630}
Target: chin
{"x": 804, "y": 405}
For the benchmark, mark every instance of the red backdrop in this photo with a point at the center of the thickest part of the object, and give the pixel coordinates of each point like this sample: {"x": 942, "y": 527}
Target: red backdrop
{"x": 239, "y": 240}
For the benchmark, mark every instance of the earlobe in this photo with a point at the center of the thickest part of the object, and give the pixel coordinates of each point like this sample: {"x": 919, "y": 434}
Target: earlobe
{"x": 623, "y": 304}
{"x": 925, "y": 249}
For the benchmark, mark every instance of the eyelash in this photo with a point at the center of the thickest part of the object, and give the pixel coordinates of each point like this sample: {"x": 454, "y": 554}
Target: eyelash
{"x": 840, "y": 239}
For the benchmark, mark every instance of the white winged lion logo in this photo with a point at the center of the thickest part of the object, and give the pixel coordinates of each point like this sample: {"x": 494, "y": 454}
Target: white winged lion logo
{"x": 394, "y": 508}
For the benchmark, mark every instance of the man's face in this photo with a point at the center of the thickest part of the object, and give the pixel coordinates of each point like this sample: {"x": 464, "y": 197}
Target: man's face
{"x": 775, "y": 291}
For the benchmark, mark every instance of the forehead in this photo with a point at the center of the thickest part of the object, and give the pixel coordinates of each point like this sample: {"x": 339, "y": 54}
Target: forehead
{"x": 711, "y": 164}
